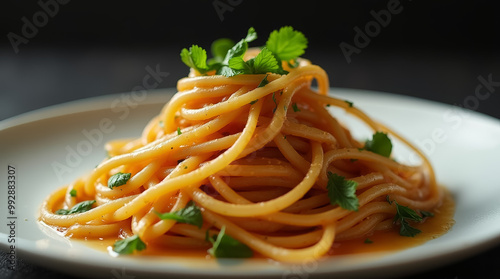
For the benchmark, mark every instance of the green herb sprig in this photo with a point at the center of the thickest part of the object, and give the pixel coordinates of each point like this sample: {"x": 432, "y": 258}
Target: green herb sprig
{"x": 285, "y": 44}
{"x": 342, "y": 192}
{"x": 129, "y": 245}
{"x": 81, "y": 207}
{"x": 403, "y": 215}
{"x": 224, "y": 246}
{"x": 191, "y": 214}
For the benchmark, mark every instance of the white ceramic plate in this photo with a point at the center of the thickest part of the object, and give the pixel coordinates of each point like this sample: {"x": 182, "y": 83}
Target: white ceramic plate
{"x": 463, "y": 146}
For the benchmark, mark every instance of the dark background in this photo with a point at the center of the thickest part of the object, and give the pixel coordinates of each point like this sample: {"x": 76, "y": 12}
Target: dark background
{"x": 433, "y": 50}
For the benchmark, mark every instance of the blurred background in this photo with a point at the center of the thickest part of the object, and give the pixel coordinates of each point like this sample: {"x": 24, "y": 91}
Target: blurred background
{"x": 55, "y": 51}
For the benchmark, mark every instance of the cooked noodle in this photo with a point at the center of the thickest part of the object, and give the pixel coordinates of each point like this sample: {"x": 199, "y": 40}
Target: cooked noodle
{"x": 255, "y": 160}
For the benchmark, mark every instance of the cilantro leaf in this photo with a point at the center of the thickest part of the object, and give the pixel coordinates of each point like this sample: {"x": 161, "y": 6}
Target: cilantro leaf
{"x": 191, "y": 214}
{"x": 426, "y": 214}
{"x": 263, "y": 82}
{"x": 129, "y": 245}
{"x": 236, "y": 55}
{"x": 239, "y": 49}
{"x": 265, "y": 62}
{"x": 287, "y": 44}
{"x": 77, "y": 208}
{"x": 407, "y": 230}
{"x": 225, "y": 246}
{"x": 196, "y": 58}
{"x": 342, "y": 192}
{"x": 118, "y": 179}
{"x": 380, "y": 144}
{"x": 219, "y": 49}
{"x": 403, "y": 215}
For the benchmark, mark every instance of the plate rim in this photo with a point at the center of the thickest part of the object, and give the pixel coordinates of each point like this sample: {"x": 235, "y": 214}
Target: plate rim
{"x": 78, "y": 106}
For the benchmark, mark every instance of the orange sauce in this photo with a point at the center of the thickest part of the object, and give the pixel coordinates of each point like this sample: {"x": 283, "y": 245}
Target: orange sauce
{"x": 380, "y": 241}
{"x": 386, "y": 241}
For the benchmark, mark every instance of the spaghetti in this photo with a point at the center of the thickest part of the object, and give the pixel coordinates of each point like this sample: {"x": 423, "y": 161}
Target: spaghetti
{"x": 256, "y": 160}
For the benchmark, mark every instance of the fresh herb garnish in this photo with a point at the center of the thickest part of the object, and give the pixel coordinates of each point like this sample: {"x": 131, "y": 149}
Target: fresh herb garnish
{"x": 403, "y": 215}
{"x": 77, "y": 208}
{"x": 426, "y": 214}
{"x": 368, "y": 241}
{"x": 219, "y": 49}
{"x": 129, "y": 245}
{"x": 380, "y": 144}
{"x": 342, "y": 192}
{"x": 72, "y": 192}
{"x": 191, "y": 214}
{"x": 285, "y": 44}
{"x": 196, "y": 58}
{"x": 295, "y": 108}
{"x": 179, "y": 131}
{"x": 118, "y": 179}
{"x": 224, "y": 246}
{"x": 349, "y": 103}
{"x": 263, "y": 82}
{"x": 275, "y": 102}
{"x": 254, "y": 101}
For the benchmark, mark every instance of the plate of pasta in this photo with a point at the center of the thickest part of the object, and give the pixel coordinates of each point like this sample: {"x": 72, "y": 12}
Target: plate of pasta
{"x": 253, "y": 166}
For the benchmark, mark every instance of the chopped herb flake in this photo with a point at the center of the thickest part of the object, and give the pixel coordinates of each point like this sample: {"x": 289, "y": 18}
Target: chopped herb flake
{"x": 129, "y": 245}
{"x": 379, "y": 144}
{"x": 118, "y": 179}
{"x": 342, "y": 192}
{"x": 191, "y": 214}
{"x": 81, "y": 207}
{"x": 224, "y": 246}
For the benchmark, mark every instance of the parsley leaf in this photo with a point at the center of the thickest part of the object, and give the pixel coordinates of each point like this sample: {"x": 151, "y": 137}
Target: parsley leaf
{"x": 196, "y": 58}
{"x": 287, "y": 44}
{"x": 403, "y": 215}
{"x": 263, "y": 82}
{"x": 224, "y": 246}
{"x": 129, "y": 245}
{"x": 237, "y": 66}
{"x": 265, "y": 62}
{"x": 342, "y": 192}
{"x": 118, "y": 179}
{"x": 77, "y": 208}
{"x": 380, "y": 144}
{"x": 219, "y": 49}
{"x": 191, "y": 214}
